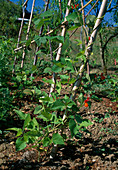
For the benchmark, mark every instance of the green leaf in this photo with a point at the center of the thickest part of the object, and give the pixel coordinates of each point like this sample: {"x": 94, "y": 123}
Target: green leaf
{"x": 19, "y": 132}
{"x": 39, "y": 22}
{"x": 73, "y": 127}
{"x": 57, "y": 139}
{"x": 33, "y": 133}
{"x": 65, "y": 45}
{"x": 73, "y": 28}
{"x": 58, "y": 87}
{"x": 72, "y": 80}
{"x": 81, "y": 98}
{"x": 46, "y": 142}
{"x": 79, "y": 119}
{"x": 58, "y": 63}
{"x": 69, "y": 67}
{"x": 27, "y": 120}
{"x": 64, "y": 77}
{"x": 90, "y": 19}
{"x": 72, "y": 16}
{"x": 27, "y": 91}
{"x": 83, "y": 57}
{"x": 40, "y": 40}
{"x": 54, "y": 118}
{"x": 67, "y": 100}
{"x": 38, "y": 109}
{"x": 50, "y": 81}
{"x": 14, "y": 129}
{"x": 20, "y": 144}
{"x": 56, "y": 69}
{"x": 48, "y": 70}
{"x": 85, "y": 123}
{"x": 85, "y": 130}
{"x": 28, "y": 42}
{"x": 94, "y": 97}
{"x": 58, "y": 104}
{"x": 80, "y": 53}
{"x": 88, "y": 77}
{"x": 59, "y": 39}
{"x": 21, "y": 115}
{"x": 77, "y": 19}
{"x": 64, "y": 81}
{"x": 34, "y": 68}
{"x": 38, "y": 52}
{"x": 35, "y": 123}
{"x": 47, "y": 115}
{"x": 47, "y": 14}
{"x": 47, "y": 98}
{"x": 79, "y": 42}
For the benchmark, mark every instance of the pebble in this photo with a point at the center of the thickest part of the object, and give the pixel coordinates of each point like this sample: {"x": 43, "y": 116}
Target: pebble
{"x": 1, "y": 161}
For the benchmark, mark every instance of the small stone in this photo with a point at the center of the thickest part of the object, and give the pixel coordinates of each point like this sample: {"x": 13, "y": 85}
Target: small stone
{"x": 109, "y": 156}
{"x": 1, "y": 161}
{"x": 2, "y": 147}
{"x": 1, "y": 155}
{"x": 103, "y": 154}
{"x": 83, "y": 148}
{"x": 108, "y": 146}
{"x": 93, "y": 160}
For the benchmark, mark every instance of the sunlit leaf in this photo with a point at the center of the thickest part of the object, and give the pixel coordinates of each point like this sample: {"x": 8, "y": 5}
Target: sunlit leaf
{"x": 27, "y": 91}
{"x": 73, "y": 127}
{"x": 27, "y": 120}
{"x": 47, "y": 13}
{"x": 21, "y": 115}
{"x": 20, "y": 144}
{"x": 57, "y": 139}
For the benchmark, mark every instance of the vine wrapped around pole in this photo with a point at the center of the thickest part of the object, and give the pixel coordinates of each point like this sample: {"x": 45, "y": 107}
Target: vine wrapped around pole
{"x": 89, "y": 47}
{"x": 60, "y": 48}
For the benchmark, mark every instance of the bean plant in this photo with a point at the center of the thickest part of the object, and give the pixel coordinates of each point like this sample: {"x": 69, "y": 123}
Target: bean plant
{"x": 58, "y": 110}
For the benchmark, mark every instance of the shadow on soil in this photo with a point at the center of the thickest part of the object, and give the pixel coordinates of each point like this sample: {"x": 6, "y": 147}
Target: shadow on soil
{"x": 73, "y": 156}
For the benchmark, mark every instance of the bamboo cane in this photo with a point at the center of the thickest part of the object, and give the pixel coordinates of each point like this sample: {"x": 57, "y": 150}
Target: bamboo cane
{"x": 27, "y": 35}
{"x": 55, "y": 147}
{"x": 89, "y": 47}
{"x": 60, "y": 48}
{"x": 85, "y": 33}
{"x": 19, "y": 36}
{"x": 91, "y": 8}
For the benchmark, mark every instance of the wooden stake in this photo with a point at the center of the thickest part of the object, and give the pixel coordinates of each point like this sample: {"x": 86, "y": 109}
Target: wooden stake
{"x": 19, "y": 36}
{"x": 89, "y": 47}
{"x": 23, "y": 56}
{"x": 60, "y": 47}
